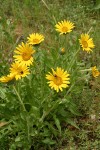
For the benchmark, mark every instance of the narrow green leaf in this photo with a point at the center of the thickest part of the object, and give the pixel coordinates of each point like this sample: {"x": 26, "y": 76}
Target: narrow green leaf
{"x": 97, "y": 5}
{"x": 2, "y": 92}
{"x": 57, "y": 122}
{"x": 48, "y": 141}
{"x": 71, "y": 122}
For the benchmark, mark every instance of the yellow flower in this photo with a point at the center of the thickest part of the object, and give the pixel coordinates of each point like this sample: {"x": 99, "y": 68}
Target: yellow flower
{"x": 95, "y": 72}
{"x": 19, "y": 70}
{"x": 58, "y": 79}
{"x": 86, "y": 43}
{"x": 7, "y": 78}
{"x": 64, "y": 27}
{"x": 35, "y": 38}
{"x": 24, "y": 54}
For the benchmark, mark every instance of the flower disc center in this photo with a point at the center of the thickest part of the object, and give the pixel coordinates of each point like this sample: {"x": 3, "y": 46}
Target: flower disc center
{"x": 64, "y": 29}
{"x": 20, "y": 71}
{"x": 57, "y": 80}
{"x": 26, "y": 56}
{"x": 85, "y": 44}
{"x": 36, "y": 41}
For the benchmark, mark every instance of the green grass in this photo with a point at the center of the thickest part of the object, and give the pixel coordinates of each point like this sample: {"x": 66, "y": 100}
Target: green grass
{"x": 20, "y": 18}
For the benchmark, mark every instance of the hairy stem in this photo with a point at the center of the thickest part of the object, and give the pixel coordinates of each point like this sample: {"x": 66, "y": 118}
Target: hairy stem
{"x": 19, "y": 98}
{"x": 73, "y": 60}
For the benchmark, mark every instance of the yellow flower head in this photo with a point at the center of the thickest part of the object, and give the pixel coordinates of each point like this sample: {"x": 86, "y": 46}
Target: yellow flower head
{"x": 7, "y": 78}
{"x": 19, "y": 70}
{"x": 64, "y": 27}
{"x": 35, "y": 38}
{"x": 86, "y": 43}
{"x": 24, "y": 54}
{"x": 58, "y": 79}
{"x": 95, "y": 72}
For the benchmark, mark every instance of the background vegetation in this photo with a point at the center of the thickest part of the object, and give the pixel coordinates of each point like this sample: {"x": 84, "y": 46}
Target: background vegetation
{"x": 20, "y": 18}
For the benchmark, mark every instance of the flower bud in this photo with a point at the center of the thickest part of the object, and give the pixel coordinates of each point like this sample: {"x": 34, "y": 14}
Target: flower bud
{"x": 62, "y": 51}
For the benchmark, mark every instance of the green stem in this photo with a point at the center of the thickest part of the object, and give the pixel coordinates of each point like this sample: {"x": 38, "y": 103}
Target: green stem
{"x": 45, "y": 4}
{"x": 70, "y": 89}
{"x": 45, "y": 113}
{"x": 85, "y": 70}
{"x": 89, "y": 30}
{"x": 20, "y": 100}
{"x": 27, "y": 120}
{"x": 49, "y": 10}
{"x": 73, "y": 59}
